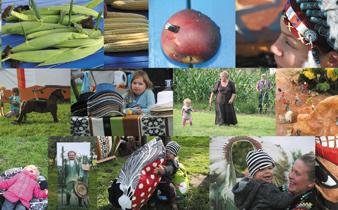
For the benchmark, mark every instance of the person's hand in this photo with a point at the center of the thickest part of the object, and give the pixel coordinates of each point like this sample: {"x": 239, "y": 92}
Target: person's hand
{"x": 230, "y": 101}
{"x": 159, "y": 170}
{"x": 46, "y": 191}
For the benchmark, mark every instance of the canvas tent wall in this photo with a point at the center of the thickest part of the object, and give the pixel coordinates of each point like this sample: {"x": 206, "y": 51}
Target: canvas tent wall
{"x": 36, "y": 83}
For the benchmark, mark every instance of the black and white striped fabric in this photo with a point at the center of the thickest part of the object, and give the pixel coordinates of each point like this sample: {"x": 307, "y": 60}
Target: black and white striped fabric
{"x": 173, "y": 147}
{"x": 256, "y": 160}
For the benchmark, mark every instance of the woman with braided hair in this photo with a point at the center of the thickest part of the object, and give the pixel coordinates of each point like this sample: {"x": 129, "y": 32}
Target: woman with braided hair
{"x": 309, "y": 34}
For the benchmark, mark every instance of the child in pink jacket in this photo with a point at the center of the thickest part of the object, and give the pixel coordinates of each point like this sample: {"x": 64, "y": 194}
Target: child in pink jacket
{"x": 21, "y": 188}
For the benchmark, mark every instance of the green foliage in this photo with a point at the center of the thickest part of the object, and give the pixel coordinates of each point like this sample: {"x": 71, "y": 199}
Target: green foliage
{"x": 322, "y": 81}
{"x": 197, "y": 85}
{"x": 239, "y": 151}
{"x": 322, "y": 87}
{"x": 281, "y": 167}
{"x": 295, "y": 155}
{"x": 19, "y": 152}
{"x": 204, "y": 125}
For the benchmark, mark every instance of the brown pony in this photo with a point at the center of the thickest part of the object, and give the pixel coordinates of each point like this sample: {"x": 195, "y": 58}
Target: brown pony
{"x": 41, "y": 106}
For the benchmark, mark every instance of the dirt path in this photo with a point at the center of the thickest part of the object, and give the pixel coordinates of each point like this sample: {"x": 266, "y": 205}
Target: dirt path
{"x": 287, "y": 81}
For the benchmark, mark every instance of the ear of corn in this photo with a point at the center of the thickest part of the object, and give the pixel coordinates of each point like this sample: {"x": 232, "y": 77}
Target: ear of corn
{"x": 124, "y": 14}
{"x": 43, "y": 33}
{"x": 92, "y": 33}
{"x": 49, "y": 18}
{"x": 127, "y": 45}
{"x": 129, "y": 4}
{"x": 78, "y": 43}
{"x": 47, "y": 41}
{"x": 36, "y": 56}
{"x": 77, "y": 9}
{"x": 73, "y": 54}
{"x": 126, "y": 20}
{"x": 108, "y": 26}
{"x": 121, "y": 37}
{"x": 126, "y": 30}
{"x": 55, "y": 10}
{"x": 28, "y": 27}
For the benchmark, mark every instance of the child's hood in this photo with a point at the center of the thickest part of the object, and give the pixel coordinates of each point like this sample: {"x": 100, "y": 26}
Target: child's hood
{"x": 245, "y": 192}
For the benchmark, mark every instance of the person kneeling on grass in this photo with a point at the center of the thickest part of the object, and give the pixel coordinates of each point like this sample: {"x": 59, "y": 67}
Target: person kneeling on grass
{"x": 168, "y": 172}
{"x": 21, "y": 188}
{"x": 257, "y": 192}
{"x": 14, "y": 101}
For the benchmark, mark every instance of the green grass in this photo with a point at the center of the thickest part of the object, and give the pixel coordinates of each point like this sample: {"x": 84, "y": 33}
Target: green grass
{"x": 194, "y": 154}
{"x": 38, "y": 124}
{"x": 19, "y": 152}
{"x": 204, "y": 125}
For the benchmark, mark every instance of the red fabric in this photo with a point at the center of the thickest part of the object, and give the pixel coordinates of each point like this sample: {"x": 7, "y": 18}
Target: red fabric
{"x": 147, "y": 184}
{"x": 327, "y": 153}
{"x": 21, "y": 78}
{"x": 302, "y": 18}
{"x": 21, "y": 188}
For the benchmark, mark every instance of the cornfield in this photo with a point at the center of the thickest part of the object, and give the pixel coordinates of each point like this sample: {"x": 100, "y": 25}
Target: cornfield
{"x": 197, "y": 85}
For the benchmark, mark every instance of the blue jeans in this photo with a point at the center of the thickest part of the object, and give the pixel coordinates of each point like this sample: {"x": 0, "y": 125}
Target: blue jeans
{"x": 12, "y": 206}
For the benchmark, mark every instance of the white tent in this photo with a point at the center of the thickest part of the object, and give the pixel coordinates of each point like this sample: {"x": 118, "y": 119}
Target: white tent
{"x": 41, "y": 77}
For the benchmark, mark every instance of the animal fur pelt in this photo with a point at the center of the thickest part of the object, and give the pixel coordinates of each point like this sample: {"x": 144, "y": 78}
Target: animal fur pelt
{"x": 331, "y": 8}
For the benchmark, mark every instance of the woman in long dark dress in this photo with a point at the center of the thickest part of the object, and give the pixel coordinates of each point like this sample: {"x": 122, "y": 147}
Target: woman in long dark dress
{"x": 225, "y": 92}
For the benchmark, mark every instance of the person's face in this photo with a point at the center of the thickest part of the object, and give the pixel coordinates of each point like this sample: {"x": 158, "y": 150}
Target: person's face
{"x": 71, "y": 156}
{"x": 32, "y": 171}
{"x": 223, "y": 76}
{"x": 138, "y": 86}
{"x": 288, "y": 51}
{"x": 169, "y": 155}
{"x": 298, "y": 178}
{"x": 187, "y": 103}
{"x": 265, "y": 174}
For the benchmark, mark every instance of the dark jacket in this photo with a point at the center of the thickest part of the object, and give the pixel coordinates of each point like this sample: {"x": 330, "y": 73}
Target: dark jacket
{"x": 170, "y": 170}
{"x": 306, "y": 200}
{"x": 259, "y": 195}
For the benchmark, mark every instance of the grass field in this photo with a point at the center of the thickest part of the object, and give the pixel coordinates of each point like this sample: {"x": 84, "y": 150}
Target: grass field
{"x": 38, "y": 124}
{"x": 204, "y": 125}
{"x": 194, "y": 154}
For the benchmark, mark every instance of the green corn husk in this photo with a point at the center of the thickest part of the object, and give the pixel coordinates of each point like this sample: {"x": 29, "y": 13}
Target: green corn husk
{"x": 77, "y": 9}
{"x": 47, "y": 41}
{"x": 36, "y": 56}
{"x": 73, "y": 54}
{"x": 79, "y": 43}
{"x": 92, "y": 33}
{"x": 49, "y": 18}
{"x": 43, "y": 33}
{"x": 28, "y": 27}
{"x": 34, "y": 8}
{"x": 55, "y": 10}
{"x": 93, "y": 3}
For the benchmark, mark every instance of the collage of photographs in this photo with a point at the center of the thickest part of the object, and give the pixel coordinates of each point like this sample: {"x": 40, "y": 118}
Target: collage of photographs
{"x": 169, "y": 105}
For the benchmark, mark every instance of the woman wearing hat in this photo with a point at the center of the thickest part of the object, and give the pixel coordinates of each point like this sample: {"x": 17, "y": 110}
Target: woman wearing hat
{"x": 309, "y": 34}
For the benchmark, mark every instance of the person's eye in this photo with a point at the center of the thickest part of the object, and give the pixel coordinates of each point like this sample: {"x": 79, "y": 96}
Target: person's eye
{"x": 288, "y": 43}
